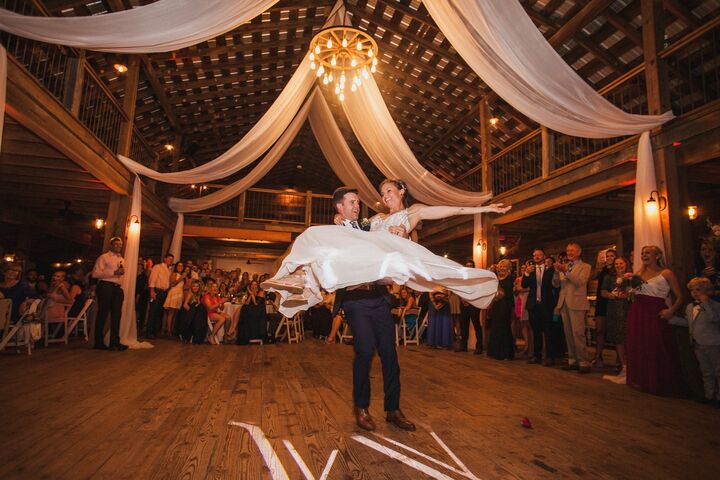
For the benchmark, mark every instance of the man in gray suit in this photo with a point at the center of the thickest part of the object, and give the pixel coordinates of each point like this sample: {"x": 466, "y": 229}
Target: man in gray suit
{"x": 572, "y": 278}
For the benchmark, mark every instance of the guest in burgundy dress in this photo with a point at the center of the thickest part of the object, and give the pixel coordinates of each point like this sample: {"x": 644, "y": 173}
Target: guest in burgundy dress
{"x": 653, "y": 364}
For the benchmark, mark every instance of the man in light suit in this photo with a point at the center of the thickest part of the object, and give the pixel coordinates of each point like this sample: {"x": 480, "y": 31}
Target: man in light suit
{"x": 572, "y": 278}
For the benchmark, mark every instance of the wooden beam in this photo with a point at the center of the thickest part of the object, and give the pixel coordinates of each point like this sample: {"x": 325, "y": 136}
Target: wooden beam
{"x": 159, "y": 91}
{"x": 487, "y": 180}
{"x": 548, "y": 151}
{"x": 588, "y": 13}
{"x": 129, "y": 101}
{"x": 238, "y": 234}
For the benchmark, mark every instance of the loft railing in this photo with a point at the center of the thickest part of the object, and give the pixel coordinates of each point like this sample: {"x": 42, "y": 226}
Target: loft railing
{"x": 55, "y": 67}
{"x": 141, "y": 151}
{"x": 264, "y": 205}
{"x": 693, "y": 68}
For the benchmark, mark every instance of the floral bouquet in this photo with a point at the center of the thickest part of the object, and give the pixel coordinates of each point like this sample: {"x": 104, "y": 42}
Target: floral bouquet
{"x": 630, "y": 284}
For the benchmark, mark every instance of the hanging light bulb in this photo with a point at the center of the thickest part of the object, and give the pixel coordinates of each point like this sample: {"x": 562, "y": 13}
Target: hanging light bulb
{"x": 344, "y": 42}
{"x": 354, "y": 87}
{"x": 342, "y": 77}
{"x": 365, "y": 73}
{"x": 329, "y": 43}
{"x": 337, "y": 89}
{"x": 330, "y": 77}
{"x": 317, "y": 49}
{"x": 312, "y": 66}
{"x": 320, "y": 71}
{"x": 359, "y": 46}
{"x": 353, "y": 62}
{"x": 373, "y": 69}
{"x": 312, "y": 56}
{"x": 325, "y": 80}
{"x": 374, "y": 61}
{"x": 333, "y": 61}
{"x": 342, "y": 97}
{"x": 370, "y": 52}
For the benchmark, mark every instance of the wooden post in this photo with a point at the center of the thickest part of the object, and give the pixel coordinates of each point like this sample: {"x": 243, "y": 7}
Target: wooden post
{"x": 671, "y": 178}
{"x": 485, "y": 145}
{"x": 241, "y": 206}
{"x": 116, "y": 220}
{"x": 131, "y": 86}
{"x": 548, "y": 151}
{"x": 308, "y": 208}
{"x": 155, "y": 165}
{"x": 74, "y": 78}
{"x": 485, "y": 241}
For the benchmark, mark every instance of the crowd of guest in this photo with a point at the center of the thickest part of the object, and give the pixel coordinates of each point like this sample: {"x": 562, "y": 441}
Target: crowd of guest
{"x": 540, "y": 312}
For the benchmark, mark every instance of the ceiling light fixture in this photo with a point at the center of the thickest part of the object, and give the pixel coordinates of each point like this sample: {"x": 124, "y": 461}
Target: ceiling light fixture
{"x": 120, "y": 68}
{"x": 341, "y": 55}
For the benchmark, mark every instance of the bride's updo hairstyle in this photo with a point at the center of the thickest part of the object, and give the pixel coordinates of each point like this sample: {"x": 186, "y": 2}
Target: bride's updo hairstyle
{"x": 400, "y": 185}
{"x": 655, "y": 250}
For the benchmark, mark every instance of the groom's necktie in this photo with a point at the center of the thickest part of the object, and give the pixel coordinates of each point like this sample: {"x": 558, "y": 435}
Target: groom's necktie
{"x": 354, "y": 224}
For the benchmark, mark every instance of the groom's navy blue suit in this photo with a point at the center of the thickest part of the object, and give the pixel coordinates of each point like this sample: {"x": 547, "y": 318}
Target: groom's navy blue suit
{"x": 367, "y": 311}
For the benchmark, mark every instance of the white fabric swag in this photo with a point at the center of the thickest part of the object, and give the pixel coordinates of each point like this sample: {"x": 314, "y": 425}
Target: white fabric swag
{"x": 499, "y": 41}
{"x": 647, "y": 225}
{"x": 128, "y": 325}
{"x": 176, "y": 242}
{"x": 332, "y": 144}
{"x": 162, "y": 26}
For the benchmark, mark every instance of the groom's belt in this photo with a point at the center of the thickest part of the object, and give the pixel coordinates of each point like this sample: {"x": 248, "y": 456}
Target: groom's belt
{"x": 362, "y": 286}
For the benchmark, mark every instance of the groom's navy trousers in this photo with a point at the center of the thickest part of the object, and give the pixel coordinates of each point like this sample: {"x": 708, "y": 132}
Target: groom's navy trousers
{"x": 373, "y": 327}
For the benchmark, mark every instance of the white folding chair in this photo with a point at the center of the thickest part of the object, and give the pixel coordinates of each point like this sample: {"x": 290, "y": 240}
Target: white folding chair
{"x": 82, "y": 317}
{"x": 51, "y": 336}
{"x": 344, "y": 333}
{"x": 18, "y": 335}
{"x": 413, "y": 338}
{"x": 397, "y": 312}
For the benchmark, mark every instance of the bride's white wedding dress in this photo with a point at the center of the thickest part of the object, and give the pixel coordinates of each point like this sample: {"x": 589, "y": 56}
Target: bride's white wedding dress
{"x": 334, "y": 257}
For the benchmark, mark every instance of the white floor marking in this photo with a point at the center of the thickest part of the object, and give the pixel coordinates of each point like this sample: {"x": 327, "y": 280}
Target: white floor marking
{"x": 453, "y": 456}
{"x": 298, "y": 459}
{"x": 329, "y": 465}
{"x": 429, "y": 458}
{"x": 427, "y": 470}
{"x": 266, "y": 450}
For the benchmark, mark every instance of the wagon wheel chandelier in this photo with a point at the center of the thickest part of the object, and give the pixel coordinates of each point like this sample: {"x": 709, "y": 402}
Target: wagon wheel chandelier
{"x": 343, "y": 54}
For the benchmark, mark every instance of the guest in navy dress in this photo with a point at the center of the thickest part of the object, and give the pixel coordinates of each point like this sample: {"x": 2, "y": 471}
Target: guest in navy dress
{"x": 440, "y": 324}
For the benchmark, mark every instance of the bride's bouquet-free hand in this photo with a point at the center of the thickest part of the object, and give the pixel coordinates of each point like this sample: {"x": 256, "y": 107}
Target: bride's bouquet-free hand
{"x": 629, "y": 284}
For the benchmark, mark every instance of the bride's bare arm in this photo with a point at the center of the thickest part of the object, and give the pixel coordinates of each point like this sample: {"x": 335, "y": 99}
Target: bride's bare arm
{"x": 418, "y": 211}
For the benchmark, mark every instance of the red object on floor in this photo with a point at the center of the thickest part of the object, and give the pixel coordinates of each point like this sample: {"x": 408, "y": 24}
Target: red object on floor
{"x": 526, "y": 423}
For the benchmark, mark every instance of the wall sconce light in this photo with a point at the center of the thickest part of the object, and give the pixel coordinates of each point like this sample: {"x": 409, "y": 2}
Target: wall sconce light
{"x": 193, "y": 186}
{"x": 692, "y": 212}
{"x": 481, "y": 245}
{"x": 169, "y": 147}
{"x": 656, "y": 202}
{"x": 10, "y": 258}
{"x": 446, "y": 255}
{"x": 99, "y": 223}
{"x": 134, "y": 223}
{"x": 503, "y": 250}
{"x": 494, "y": 121}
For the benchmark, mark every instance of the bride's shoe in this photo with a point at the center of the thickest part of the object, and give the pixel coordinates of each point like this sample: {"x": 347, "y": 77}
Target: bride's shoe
{"x": 290, "y": 283}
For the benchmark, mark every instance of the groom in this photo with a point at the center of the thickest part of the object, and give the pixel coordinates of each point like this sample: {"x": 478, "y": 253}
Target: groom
{"x": 367, "y": 311}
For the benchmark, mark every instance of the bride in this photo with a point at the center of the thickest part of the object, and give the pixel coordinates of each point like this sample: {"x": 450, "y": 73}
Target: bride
{"x": 331, "y": 258}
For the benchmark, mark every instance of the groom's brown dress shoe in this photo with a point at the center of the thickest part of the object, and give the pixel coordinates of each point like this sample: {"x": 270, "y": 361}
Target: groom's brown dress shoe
{"x": 363, "y": 419}
{"x": 397, "y": 418}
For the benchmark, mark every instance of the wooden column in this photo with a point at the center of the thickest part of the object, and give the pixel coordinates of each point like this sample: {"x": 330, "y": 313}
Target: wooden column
{"x": 129, "y": 101}
{"x": 548, "y": 151}
{"x": 116, "y": 220}
{"x": 671, "y": 179}
{"x": 485, "y": 241}
{"x": 308, "y": 208}
{"x": 485, "y": 145}
{"x": 241, "y": 206}
{"x": 74, "y": 78}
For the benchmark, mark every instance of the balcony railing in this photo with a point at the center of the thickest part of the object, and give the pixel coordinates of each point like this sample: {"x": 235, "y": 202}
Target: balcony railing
{"x": 693, "y": 67}
{"x": 261, "y": 205}
{"x": 55, "y": 67}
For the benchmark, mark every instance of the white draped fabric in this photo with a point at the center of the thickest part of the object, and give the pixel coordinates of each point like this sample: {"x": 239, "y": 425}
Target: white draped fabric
{"x": 176, "y": 243}
{"x": 647, "y": 228}
{"x": 338, "y": 153}
{"x": 231, "y": 191}
{"x": 256, "y": 142}
{"x": 128, "y": 325}
{"x": 501, "y": 44}
{"x": 375, "y": 128}
{"x": 332, "y": 144}
{"x": 159, "y": 27}
{"x": 3, "y": 89}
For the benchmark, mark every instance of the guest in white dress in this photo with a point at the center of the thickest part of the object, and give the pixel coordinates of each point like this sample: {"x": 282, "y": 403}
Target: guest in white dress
{"x": 331, "y": 258}
{"x": 174, "y": 299}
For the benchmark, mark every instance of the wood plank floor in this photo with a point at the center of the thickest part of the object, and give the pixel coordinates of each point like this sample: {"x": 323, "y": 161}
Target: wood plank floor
{"x": 72, "y": 412}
